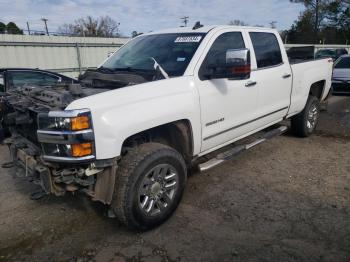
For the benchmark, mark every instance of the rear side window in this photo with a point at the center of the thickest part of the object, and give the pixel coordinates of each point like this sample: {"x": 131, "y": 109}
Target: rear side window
{"x": 267, "y": 49}
{"x": 343, "y": 63}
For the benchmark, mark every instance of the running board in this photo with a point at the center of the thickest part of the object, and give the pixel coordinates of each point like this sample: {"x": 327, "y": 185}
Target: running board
{"x": 229, "y": 154}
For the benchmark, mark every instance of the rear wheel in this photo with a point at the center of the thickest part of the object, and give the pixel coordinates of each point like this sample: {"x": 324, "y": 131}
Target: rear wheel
{"x": 149, "y": 186}
{"x": 306, "y": 121}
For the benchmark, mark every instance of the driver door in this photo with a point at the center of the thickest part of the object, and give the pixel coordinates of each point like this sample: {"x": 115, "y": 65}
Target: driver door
{"x": 228, "y": 107}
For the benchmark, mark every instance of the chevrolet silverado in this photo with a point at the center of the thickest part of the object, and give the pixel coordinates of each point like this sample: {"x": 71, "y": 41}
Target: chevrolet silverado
{"x": 128, "y": 132}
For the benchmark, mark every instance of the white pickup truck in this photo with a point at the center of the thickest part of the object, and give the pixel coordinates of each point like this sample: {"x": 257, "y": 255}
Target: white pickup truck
{"x": 127, "y": 134}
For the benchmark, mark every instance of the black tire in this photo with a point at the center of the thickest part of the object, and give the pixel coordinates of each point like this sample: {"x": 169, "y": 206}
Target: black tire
{"x": 300, "y": 123}
{"x": 134, "y": 167}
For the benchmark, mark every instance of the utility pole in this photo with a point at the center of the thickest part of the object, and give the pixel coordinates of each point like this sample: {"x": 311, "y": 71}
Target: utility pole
{"x": 118, "y": 29}
{"x": 317, "y": 9}
{"x": 45, "y": 21}
{"x": 185, "y": 20}
{"x": 28, "y": 28}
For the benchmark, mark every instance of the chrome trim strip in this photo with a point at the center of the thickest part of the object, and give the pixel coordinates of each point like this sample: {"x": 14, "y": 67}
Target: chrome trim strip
{"x": 65, "y": 138}
{"x": 68, "y": 113}
{"x": 246, "y": 123}
{"x": 267, "y": 67}
{"x": 68, "y": 159}
{"x": 50, "y": 132}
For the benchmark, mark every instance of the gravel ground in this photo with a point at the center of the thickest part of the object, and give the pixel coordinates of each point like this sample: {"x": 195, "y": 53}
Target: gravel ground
{"x": 284, "y": 200}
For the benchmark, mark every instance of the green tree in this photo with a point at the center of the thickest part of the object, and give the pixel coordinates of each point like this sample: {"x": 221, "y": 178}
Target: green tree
{"x": 135, "y": 33}
{"x": 325, "y": 21}
{"x": 237, "y": 22}
{"x": 103, "y": 26}
{"x": 2, "y": 28}
{"x": 316, "y": 12}
{"x": 12, "y": 28}
{"x": 339, "y": 18}
{"x": 302, "y": 30}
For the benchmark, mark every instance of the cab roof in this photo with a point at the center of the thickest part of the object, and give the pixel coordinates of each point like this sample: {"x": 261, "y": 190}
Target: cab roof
{"x": 205, "y": 29}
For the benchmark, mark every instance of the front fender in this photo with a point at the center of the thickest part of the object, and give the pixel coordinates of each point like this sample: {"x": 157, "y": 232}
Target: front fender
{"x": 121, "y": 113}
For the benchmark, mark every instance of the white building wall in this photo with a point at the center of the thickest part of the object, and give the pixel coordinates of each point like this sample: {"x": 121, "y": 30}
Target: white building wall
{"x": 56, "y": 53}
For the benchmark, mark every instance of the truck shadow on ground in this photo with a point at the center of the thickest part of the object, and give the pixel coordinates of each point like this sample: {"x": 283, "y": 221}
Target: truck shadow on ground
{"x": 286, "y": 200}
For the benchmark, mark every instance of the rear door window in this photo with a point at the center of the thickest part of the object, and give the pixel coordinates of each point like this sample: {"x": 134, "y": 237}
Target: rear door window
{"x": 267, "y": 49}
{"x": 343, "y": 63}
{"x": 21, "y": 78}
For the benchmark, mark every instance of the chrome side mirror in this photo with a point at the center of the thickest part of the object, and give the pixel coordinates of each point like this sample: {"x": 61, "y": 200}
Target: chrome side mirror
{"x": 238, "y": 64}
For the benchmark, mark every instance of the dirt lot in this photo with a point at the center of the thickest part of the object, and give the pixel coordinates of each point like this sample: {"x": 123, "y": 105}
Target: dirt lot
{"x": 285, "y": 200}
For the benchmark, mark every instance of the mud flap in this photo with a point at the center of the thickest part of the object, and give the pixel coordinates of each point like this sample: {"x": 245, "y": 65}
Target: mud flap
{"x": 104, "y": 186}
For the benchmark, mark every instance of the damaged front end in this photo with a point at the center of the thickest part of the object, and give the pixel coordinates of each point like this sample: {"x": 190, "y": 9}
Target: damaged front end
{"x": 54, "y": 146}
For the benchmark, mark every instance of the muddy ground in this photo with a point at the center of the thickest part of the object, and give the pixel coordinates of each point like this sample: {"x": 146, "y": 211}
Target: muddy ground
{"x": 285, "y": 200}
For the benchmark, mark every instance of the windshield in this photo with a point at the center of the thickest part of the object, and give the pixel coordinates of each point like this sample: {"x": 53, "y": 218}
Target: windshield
{"x": 173, "y": 52}
{"x": 343, "y": 63}
{"x": 326, "y": 52}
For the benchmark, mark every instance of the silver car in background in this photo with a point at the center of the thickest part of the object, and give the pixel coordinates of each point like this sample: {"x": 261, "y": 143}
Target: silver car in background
{"x": 341, "y": 76}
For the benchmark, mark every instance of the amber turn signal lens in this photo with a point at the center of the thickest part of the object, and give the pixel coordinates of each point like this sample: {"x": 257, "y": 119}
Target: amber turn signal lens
{"x": 80, "y": 123}
{"x": 84, "y": 149}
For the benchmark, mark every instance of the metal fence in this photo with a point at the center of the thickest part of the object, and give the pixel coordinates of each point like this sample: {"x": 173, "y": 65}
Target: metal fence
{"x": 67, "y": 55}
{"x": 318, "y": 47}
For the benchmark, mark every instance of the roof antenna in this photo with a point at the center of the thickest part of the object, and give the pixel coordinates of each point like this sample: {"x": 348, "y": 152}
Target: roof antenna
{"x": 197, "y": 25}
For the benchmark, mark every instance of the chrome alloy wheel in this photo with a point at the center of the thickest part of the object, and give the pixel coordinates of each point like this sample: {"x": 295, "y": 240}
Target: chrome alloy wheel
{"x": 157, "y": 189}
{"x": 312, "y": 117}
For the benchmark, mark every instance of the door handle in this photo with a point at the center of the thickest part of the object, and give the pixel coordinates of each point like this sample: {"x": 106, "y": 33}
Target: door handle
{"x": 250, "y": 83}
{"x": 286, "y": 76}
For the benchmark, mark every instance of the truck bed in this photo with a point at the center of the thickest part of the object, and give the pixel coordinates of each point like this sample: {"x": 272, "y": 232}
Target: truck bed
{"x": 305, "y": 74}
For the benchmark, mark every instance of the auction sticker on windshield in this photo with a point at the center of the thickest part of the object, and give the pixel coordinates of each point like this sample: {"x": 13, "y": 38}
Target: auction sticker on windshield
{"x": 188, "y": 39}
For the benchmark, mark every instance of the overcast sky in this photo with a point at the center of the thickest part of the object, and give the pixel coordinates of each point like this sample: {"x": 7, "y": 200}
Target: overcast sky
{"x": 149, "y": 15}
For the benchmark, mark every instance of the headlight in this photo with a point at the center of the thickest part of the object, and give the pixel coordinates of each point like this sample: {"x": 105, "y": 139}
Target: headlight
{"x": 83, "y": 149}
{"x": 80, "y": 123}
{"x": 66, "y": 135}
{"x": 52, "y": 121}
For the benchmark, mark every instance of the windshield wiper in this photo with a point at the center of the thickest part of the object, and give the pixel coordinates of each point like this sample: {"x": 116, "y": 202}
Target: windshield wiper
{"x": 105, "y": 69}
{"x": 158, "y": 67}
{"x": 130, "y": 69}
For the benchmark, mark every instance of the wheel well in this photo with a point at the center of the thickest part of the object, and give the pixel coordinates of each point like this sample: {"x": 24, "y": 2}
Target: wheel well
{"x": 177, "y": 135}
{"x": 317, "y": 88}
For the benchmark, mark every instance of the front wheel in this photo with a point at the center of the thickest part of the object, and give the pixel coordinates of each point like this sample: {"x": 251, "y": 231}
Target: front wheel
{"x": 304, "y": 123}
{"x": 149, "y": 185}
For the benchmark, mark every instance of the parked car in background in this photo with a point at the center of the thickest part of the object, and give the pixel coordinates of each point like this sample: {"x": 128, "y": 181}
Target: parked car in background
{"x": 16, "y": 77}
{"x": 331, "y": 53}
{"x": 341, "y": 76}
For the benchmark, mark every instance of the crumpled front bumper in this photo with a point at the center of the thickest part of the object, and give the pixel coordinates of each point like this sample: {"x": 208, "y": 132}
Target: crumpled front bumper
{"x": 95, "y": 179}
